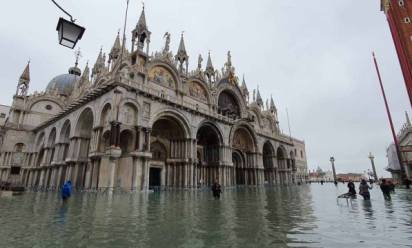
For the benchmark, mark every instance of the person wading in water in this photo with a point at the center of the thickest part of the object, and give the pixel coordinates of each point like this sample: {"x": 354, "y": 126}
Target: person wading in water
{"x": 66, "y": 191}
{"x": 351, "y": 187}
{"x": 364, "y": 190}
{"x": 216, "y": 189}
{"x": 386, "y": 189}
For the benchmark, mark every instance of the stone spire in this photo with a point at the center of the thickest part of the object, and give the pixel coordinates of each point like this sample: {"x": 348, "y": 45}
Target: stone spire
{"x": 210, "y": 70}
{"x": 100, "y": 63}
{"x": 116, "y": 49}
{"x": 142, "y": 20}
{"x": 259, "y": 100}
{"x": 408, "y": 121}
{"x": 244, "y": 89}
{"x": 141, "y": 33}
{"x": 181, "y": 55}
{"x": 24, "y": 80}
{"x": 86, "y": 73}
{"x": 243, "y": 86}
{"x": 272, "y": 105}
{"x": 82, "y": 84}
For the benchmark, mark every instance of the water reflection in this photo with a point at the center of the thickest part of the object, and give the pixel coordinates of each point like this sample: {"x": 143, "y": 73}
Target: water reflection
{"x": 297, "y": 216}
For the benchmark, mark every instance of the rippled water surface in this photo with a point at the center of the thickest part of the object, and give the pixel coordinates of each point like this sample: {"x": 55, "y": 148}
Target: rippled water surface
{"x": 296, "y": 216}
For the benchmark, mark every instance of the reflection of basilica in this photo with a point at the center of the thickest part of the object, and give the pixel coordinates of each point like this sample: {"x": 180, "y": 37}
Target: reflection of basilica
{"x": 139, "y": 121}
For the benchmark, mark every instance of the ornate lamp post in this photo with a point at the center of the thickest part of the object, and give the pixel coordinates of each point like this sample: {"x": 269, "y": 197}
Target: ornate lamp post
{"x": 69, "y": 33}
{"x": 332, "y": 161}
{"x": 371, "y": 157}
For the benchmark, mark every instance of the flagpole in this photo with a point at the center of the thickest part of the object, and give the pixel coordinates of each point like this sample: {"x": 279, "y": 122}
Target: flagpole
{"x": 124, "y": 32}
{"x": 395, "y": 139}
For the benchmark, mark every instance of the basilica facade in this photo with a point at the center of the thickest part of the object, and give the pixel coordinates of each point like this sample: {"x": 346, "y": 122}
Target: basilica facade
{"x": 136, "y": 121}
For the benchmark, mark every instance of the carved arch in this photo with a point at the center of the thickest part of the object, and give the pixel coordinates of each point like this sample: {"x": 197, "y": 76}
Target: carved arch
{"x": 240, "y": 135}
{"x": 175, "y": 115}
{"x": 171, "y": 69}
{"x": 224, "y": 85}
{"x": 197, "y": 88}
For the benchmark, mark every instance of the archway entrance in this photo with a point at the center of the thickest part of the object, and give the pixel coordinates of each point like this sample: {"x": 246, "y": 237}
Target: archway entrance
{"x": 154, "y": 177}
{"x": 281, "y": 159}
{"x": 269, "y": 169}
{"x": 237, "y": 159}
{"x": 64, "y": 150}
{"x": 169, "y": 148}
{"x": 83, "y": 133}
{"x": 208, "y": 156}
{"x": 244, "y": 157}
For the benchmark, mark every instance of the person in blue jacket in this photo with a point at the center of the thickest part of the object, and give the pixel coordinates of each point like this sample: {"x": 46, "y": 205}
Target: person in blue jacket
{"x": 67, "y": 190}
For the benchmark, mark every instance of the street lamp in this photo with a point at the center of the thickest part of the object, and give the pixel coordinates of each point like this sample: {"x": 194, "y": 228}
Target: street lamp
{"x": 69, "y": 33}
{"x": 332, "y": 161}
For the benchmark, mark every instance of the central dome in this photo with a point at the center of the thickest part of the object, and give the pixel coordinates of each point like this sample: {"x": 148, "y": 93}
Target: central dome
{"x": 64, "y": 84}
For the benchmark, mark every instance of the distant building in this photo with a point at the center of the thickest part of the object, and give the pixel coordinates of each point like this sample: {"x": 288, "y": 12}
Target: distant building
{"x": 345, "y": 177}
{"x": 320, "y": 175}
{"x": 399, "y": 16}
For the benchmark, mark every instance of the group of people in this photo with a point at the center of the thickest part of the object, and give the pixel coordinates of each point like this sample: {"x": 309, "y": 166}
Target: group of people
{"x": 387, "y": 188}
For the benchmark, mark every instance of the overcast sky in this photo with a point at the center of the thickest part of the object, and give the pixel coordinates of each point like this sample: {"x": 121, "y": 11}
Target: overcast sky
{"x": 314, "y": 57}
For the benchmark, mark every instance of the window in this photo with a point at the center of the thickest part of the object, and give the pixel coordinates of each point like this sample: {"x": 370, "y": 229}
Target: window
{"x": 15, "y": 170}
{"x": 2, "y": 115}
{"x": 401, "y": 3}
{"x": 48, "y": 107}
{"x": 19, "y": 147}
{"x": 407, "y": 20}
{"x": 301, "y": 154}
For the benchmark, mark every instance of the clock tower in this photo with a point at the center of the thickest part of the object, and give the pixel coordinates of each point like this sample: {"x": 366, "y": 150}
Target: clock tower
{"x": 399, "y": 16}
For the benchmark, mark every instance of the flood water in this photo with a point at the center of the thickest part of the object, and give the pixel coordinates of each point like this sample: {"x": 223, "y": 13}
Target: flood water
{"x": 295, "y": 216}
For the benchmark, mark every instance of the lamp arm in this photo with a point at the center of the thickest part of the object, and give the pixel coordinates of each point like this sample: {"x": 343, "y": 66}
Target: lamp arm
{"x": 71, "y": 17}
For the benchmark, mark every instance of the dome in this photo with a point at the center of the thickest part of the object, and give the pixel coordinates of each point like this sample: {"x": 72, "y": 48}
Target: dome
{"x": 64, "y": 84}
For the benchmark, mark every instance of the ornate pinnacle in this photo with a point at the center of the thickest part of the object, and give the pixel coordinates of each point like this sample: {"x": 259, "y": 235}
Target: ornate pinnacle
{"x": 209, "y": 71}
{"x": 259, "y": 100}
{"x": 181, "y": 55}
{"x": 408, "y": 121}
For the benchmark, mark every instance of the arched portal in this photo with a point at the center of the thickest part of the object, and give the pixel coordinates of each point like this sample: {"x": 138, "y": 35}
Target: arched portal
{"x": 282, "y": 165}
{"x": 83, "y": 134}
{"x": 243, "y": 146}
{"x": 209, "y": 141}
{"x": 172, "y": 169}
{"x": 228, "y": 104}
{"x": 50, "y": 144}
{"x": 63, "y": 153}
{"x": 238, "y": 164}
{"x": 268, "y": 157}
{"x": 50, "y": 158}
{"x": 85, "y": 124}
{"x": 40, "y": 145}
